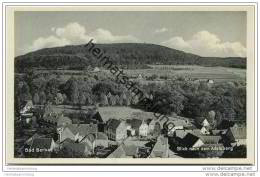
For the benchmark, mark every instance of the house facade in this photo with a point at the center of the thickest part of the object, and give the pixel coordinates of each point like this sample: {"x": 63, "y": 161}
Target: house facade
{"x": 116, "y": 130}
{"x": 143, "y": 129}
{"x": 236, "y": 136}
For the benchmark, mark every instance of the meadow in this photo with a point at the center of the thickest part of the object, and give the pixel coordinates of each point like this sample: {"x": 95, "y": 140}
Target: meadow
{"x": 194, "y": 72}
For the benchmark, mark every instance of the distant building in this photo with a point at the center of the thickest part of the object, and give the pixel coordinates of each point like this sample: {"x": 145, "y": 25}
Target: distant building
{"x": 86, "y": 129}
{"x": 89, "y": 140}
{"x": 140, "y": 77}
{"x": 236, "y": 135}
{"x": 177, "y": 124}
{"x": 76, "y": 132}
{"x": 205, "y": 123}
{"x": 210, "y": 81}
{"x": 116, "y": 130}
{"x": 154, "y": 127}
{"x": 68, "y": 132}
{"x": 96, "y": 69}
{"x": 51, "y": 116}
{"x": 139, "y": 127}
{"x": 27, "y": 106}
{"x": 143, "y": 129}
{"x": 205, "y": 131}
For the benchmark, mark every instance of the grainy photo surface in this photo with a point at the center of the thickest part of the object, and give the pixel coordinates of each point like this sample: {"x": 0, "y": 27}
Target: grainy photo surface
{"x": 130, "y": 84}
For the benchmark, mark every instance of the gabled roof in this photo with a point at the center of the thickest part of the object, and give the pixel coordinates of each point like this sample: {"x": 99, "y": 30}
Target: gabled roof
{"x": 238, "y": 132}
{"x": 189, "y": 140}
{"x": 113, "y": 123}
{"x": 118, "y": 153}
{"x": 136, "y": 123}
{"x": 148, "y": 121}
{"x": 42, "y": 143}
{"x": 30, "y": 140}
{"x": 83, "y": 129}
{"x": 73, "y": 128}
{"x": 67, "y": 140}
{"x": 124, "y": 151}
{"x": 89, "y": 137}
{"x": 97, "y": 117}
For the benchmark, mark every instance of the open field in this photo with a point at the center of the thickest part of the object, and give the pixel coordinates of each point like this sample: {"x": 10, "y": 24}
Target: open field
{"x": 193, "y": 71}
{"x": 116, "y": 112}
{"x": 218, "y": 74}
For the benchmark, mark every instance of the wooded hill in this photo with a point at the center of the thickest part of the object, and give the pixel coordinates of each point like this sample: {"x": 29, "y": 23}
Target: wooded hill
{"x": 127, "y": 55}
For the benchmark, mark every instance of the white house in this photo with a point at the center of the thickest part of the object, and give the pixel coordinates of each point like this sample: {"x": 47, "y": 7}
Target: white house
{"x": 175, "y": 125}
{"x": 143, "y": 129}
{"x": 96, "y": 69}
{"x": 205, "y": 123}
{"x": 204, "y": 131}
{"x": 28, "y": 106}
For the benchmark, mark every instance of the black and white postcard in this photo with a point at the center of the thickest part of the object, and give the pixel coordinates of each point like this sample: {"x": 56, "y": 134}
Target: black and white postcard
{"x": 130, "y": 85}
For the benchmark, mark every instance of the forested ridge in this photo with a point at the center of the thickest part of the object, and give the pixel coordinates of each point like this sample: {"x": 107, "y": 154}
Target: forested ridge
{"x": 127, "y": 55}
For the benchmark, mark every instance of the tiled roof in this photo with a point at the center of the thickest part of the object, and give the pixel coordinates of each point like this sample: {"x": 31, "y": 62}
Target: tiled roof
{"x": 238, "y": 132}
{"x": 73, "y": 128}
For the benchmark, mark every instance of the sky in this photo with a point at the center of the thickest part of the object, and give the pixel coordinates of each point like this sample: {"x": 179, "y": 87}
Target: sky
{"x": 215, "y": 34}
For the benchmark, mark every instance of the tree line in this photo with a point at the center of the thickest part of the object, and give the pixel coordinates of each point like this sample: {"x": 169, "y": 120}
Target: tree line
{"x": 185, "y": 98}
